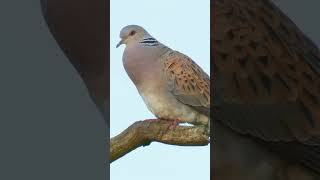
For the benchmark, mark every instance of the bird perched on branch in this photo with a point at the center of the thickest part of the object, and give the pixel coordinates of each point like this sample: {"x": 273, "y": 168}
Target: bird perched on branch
{"x": 173, "y": 86}
{"x": 266, "y": 94}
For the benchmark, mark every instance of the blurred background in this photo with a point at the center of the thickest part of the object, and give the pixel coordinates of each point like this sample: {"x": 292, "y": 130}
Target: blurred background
{"x": 50, "y": 127}
{"x": 304, "y": 14}
{"x": 183, "y": 26}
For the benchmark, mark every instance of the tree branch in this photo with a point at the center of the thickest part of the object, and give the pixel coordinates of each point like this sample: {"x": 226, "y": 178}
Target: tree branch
{"x": 142, "y": 133}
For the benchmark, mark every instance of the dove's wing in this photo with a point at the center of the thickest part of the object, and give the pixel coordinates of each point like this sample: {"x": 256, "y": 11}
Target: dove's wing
{"x": 187, "y": 81}
{"x": 266, "y": 78}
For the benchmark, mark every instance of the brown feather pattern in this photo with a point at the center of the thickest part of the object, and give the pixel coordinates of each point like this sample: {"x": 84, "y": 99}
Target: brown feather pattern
{"x": 266, "y": 77}
{"x": 187, "y": 81}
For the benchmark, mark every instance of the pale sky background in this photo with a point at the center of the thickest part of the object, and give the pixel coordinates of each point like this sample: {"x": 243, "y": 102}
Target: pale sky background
{"x": 183, "y": 25}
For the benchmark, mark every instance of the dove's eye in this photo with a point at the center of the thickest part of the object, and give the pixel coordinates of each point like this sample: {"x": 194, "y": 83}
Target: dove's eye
{"x": 132, "y": 33}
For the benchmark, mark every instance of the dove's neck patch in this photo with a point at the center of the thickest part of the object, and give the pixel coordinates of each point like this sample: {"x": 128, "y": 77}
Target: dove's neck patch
{"x": 150, "y": 41}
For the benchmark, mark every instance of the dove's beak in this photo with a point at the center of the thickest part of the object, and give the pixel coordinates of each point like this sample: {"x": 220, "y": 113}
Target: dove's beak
{"x": 121, "y": 42}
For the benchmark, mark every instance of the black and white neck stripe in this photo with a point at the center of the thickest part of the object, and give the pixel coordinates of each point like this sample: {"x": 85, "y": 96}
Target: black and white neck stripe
{"x": 150, "y": 41}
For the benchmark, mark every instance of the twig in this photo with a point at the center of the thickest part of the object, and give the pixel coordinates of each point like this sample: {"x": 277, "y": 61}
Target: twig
{"x": 142, "y": 133}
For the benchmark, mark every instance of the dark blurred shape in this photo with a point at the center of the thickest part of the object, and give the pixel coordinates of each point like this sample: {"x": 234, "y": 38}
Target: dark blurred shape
{"x": 50, "y": 129}
{"x": 80, "y": 28}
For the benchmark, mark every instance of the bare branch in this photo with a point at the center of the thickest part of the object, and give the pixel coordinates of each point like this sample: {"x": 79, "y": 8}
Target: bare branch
{"x": 142, "y": 133}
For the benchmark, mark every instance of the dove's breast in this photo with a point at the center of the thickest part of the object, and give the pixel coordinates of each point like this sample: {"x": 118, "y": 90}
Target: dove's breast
{"x": 141, "y": 63}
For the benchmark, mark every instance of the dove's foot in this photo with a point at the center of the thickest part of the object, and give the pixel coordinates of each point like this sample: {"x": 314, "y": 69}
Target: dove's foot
{"x": 172, "y": 124}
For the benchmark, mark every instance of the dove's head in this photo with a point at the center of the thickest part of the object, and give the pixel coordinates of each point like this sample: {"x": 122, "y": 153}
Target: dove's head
{"x": 132, "y": 33}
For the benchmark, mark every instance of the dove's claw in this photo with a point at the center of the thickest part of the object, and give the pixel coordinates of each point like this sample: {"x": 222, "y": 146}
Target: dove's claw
{"x": 172, "y": 124}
